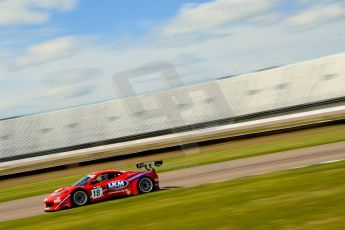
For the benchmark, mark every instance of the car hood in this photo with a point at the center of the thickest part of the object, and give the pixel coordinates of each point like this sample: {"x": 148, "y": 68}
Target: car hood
{"x": 60, "y": 192}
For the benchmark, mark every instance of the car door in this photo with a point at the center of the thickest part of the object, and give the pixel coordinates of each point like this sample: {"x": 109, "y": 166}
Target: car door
{"x": 118, "y": 186}
{"x": 99, "y": 186}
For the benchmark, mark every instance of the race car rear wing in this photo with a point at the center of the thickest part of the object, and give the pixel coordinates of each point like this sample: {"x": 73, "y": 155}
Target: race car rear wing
{"x": 149, "y": 165}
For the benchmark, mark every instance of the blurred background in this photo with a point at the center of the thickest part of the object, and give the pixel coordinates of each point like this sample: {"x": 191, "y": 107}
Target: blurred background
{"x": 90, "y": 85}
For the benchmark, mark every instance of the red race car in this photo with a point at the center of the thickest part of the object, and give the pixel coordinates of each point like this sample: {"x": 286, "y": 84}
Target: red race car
{"x": 104, "y": 185}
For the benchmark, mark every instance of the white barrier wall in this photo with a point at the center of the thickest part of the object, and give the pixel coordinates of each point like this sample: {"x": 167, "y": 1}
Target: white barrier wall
{"x": 282, "y": 87}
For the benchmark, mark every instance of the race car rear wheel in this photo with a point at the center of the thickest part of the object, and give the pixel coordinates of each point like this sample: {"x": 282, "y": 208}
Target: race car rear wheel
{"x": 79, "y": 198}
{"x": 145, "y": 185}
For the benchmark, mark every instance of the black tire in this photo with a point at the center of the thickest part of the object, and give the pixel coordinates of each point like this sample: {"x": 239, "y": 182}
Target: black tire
{"x": 145, "y": 185}
{"x": 79, "y": 198}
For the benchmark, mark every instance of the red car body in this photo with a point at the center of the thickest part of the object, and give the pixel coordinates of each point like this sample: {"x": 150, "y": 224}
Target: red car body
{"x": 104, "y": 185}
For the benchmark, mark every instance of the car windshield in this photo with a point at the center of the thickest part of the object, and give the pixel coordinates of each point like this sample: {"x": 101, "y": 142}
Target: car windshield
{"x": 82, "y": 181}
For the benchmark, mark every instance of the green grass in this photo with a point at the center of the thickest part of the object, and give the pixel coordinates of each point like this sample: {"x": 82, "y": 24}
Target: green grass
{"x": 308, "y": 198}
{"x": 43, "y": 187}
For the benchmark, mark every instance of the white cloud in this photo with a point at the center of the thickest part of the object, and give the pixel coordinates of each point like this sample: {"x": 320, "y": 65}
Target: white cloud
{"x": 5, "y": 105}
{"x": 316, "y": 2}
{"x": 316, "y": 15}
{"x": 67, "y": 92}
{"x": 205, "y": 16}
{"x": 48, "y": 51}
{"x": 73, "y": 83}
{"x": 31, "y": 11}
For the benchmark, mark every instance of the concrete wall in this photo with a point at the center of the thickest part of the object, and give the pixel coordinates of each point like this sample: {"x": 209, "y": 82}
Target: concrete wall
{"x": 282, "y": 87}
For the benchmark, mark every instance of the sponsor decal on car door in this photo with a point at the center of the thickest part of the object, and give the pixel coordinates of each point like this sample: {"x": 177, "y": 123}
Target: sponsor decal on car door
{"x": 118, "y": 187}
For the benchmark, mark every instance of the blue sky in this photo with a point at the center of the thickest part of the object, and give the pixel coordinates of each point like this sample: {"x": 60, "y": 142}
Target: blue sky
{"x": 117, "y": 17}
{"x": 63, "y": 53}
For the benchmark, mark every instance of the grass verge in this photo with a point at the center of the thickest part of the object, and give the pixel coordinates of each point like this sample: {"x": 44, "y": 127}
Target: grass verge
{"x": 308, "y": 198}
{"x": 8, "y": 193}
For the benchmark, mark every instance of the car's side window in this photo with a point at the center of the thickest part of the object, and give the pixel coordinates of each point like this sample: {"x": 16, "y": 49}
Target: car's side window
{"x": 112, "y": 175}
{"x": 100, "y": 178}
{"x": 104, "y": 177}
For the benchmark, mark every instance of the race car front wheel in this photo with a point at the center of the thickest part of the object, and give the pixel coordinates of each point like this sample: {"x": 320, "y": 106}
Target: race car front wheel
{"x": 79, "y": 198}
{"x": 145, "y": 185}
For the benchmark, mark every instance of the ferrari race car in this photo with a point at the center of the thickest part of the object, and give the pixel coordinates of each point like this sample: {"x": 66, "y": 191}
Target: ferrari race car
{"x": 104, "y": 185}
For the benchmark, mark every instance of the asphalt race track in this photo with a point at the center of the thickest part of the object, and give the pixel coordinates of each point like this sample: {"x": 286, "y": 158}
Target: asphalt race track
{"x": 211, "y": 173}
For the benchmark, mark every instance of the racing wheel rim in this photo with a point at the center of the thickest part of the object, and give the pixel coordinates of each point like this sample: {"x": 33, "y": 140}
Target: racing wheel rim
{"x": 145, "y": 185}
{"x": 80, "y": 198}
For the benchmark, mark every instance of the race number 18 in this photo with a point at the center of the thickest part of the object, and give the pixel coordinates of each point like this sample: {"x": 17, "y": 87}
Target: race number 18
{"x": 96, "y": 192}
